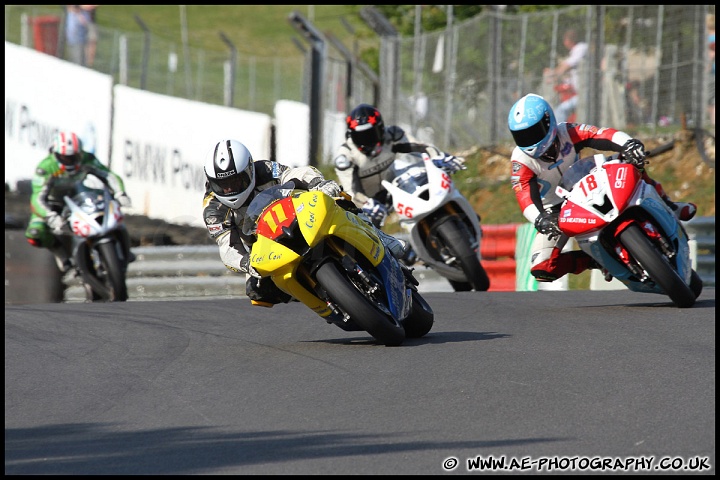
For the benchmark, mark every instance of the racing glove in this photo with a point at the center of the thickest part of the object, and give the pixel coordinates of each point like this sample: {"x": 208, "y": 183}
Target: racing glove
{"x": 449, "y": 163}
{"x": 247, "y": 268}
{"x": 329, "y": 187}
{"x": 55, "y": 222}
{"x": 375, "y": 211}
{"x": 124, "y": 200}
{"x": 634, "y": 152}
{"x": 547, "y": 224}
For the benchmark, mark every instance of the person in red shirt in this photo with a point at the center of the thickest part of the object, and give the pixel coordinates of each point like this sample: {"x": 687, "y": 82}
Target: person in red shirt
{"x": 545, "y": 149}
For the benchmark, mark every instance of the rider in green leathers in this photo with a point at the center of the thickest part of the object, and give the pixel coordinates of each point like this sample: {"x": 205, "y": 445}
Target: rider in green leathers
{"x": 55, "y": 177}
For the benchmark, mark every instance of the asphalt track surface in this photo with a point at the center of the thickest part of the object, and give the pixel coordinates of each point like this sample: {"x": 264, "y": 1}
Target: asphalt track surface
{"x": 549, "y": 379}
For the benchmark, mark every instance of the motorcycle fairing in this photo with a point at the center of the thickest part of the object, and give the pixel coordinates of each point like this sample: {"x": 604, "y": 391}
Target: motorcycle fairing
{"x": 319, "y": 219}
{"x": 319, "y": 216}
{"x": 640, "y": 204}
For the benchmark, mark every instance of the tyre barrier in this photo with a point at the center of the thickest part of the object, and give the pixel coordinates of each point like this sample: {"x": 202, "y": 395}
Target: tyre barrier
{"x": 498, "y": 250}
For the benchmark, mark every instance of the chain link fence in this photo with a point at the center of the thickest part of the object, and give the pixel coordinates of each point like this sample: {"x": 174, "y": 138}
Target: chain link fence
{"x": 150, "y": 62}
{"x": 646, "y": 67}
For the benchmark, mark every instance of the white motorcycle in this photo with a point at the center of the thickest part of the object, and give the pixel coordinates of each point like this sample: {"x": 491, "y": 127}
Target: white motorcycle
{"x": 99, "y": 251}
{"x": 444, "y": 229}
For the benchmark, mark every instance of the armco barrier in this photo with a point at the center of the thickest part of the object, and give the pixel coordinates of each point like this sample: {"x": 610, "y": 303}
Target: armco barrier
{"x": 701, "y": 232}
{"x": 177, "y": 272}
{"x": 186, "y": 271}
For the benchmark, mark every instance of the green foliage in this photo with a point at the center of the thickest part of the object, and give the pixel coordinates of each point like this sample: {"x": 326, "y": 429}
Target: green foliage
{"x": 434, "y": 17}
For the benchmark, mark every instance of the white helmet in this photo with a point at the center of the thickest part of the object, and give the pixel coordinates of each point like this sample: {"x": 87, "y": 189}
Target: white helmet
{"x": 230, "y": 172}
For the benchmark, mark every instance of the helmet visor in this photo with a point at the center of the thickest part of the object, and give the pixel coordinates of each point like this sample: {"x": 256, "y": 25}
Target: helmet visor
{"x": 234, "y": 184}
{"x": 365, "y": 140}
{"x": 532, "y": 135}
{"x": 68, "y": 160}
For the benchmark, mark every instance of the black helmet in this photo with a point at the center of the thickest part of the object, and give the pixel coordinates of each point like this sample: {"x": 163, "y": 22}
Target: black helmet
{"x": 366, "y": 128}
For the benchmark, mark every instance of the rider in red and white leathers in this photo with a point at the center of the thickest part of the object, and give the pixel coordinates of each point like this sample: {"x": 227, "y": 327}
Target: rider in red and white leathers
{"x": 545, "y": 150}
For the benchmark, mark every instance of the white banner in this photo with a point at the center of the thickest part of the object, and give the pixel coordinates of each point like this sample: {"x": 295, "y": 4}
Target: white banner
{"x": 292, "y": 133}
{"x": 160, "y": 143}
{"x": 44, "y": 94}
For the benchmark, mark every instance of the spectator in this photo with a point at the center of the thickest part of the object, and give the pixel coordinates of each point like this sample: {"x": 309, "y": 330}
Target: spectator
{"x": 76, "y": 33}
{"x": 565, "y": 75}
{"x": 710, "y": 26}
{"x": 92, "y": 34}
{"x": 637, "y": 106}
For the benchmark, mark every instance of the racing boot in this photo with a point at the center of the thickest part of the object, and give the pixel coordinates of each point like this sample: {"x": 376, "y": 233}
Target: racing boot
{"x": 61, "y": 257}
{"x": 410, "y": 257}
{"x": 684, "y": 211}
{"x": 596, "y": 266}
{"x": 399, "y": 248}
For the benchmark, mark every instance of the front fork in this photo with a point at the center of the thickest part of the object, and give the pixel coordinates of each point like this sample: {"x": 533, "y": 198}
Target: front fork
{"x": 655, "y": 236}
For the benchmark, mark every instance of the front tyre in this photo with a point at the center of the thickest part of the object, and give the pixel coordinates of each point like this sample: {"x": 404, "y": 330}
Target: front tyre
{"x": 457, "y": 240}
{"x": 103, "y": 276}
{"x": 351, "y": 300}
{"x": 657, "y": 266}
{"x": 114, "y": 271}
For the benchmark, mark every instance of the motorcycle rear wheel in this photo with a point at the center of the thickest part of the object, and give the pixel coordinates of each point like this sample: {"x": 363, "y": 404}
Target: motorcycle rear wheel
{"x": 657, "y": 266}
{"x": 421, "y": 318}
{"x": 456, "y": 239}
{"x": 352, "y": 301}
{"x": 696, "y": 284}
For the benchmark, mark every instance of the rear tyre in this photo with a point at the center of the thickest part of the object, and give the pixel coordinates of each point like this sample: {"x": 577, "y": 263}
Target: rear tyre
{"x": 657, "y": 266}
{"x": 421, "y": 318}
{"x": 696, "y": 284}
{"x": 460, "y": 286}
{"x": 352, "y": 301}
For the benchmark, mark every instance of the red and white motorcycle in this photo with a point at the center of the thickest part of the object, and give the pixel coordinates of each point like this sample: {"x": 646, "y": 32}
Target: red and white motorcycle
{"x": 443, "y": 227}
{"x": 623, "y": 223}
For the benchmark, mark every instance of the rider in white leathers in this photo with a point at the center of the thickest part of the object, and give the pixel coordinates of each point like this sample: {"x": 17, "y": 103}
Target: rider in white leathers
{"x": 365, "y": 158}
{"x": 233, "y": 180}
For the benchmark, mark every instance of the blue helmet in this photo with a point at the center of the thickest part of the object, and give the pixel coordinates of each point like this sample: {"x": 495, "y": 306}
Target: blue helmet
{"x": 533, "y": 125}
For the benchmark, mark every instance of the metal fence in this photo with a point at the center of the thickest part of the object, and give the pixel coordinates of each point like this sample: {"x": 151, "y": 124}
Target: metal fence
{"x": 150, "y": 62}
{"x": 453, "y": 87}
{"x": 459, "y": 84}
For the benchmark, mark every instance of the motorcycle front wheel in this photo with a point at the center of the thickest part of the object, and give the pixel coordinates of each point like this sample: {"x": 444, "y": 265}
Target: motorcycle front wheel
{"x": 350, "y": 298}
{"x": 106, "y": 280}
{"x": 657, "y": 266}
{"x": 457, "y": 240}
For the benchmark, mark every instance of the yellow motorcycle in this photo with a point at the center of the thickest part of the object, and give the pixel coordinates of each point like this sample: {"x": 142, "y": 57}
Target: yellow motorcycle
{"x": 316, "y": 249}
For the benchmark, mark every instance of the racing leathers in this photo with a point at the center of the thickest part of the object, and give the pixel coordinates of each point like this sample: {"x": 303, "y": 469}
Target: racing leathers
{"x": 50, "y": 183}
{"x": 224, "y": 225}
{"x": 534, "y": 182}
